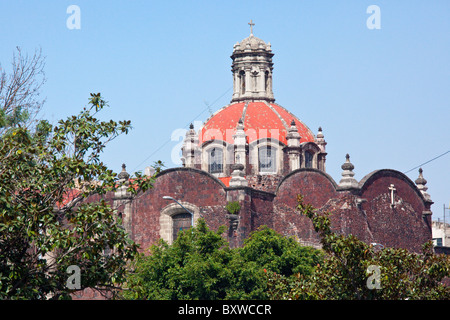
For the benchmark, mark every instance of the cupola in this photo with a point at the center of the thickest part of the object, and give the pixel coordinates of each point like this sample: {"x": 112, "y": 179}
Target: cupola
{"x": 252, "y": 69}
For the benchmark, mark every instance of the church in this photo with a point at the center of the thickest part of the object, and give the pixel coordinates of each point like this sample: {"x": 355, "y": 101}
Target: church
{"x": 248, "y": 162}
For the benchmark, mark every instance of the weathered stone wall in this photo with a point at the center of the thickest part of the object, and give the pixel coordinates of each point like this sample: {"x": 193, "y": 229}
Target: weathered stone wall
{"x": 401, "y": 225}
{"x": 185, "y": 185}
{"x": 264, "y": 182}
{"x": 365, "y": 211}
{"x": 316, "y": 187}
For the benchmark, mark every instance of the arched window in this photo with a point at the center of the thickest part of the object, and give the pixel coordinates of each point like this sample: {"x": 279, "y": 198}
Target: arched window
{"x": 267, "y": 159}
{"x": 181, "y": 221}
{"x": 308, "y": 159}
{"x": 266, "y": 81}
{"x": 242, "y": 76}
{"x": 174, "y": 218}
{"x": 215, "y": 160}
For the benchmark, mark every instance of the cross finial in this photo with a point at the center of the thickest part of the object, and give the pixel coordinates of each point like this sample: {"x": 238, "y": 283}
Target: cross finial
{"x": 251, "y": 24}
{"x": 392, "y": 189}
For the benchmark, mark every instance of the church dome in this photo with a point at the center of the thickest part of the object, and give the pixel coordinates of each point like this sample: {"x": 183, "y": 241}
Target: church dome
{"x": 260, "y": 119}
{"x": 252, "y": 130}
{"x": 253, "y": 43}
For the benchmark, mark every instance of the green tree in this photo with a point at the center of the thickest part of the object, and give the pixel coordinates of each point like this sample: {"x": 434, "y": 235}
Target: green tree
{"x": 276, "y": 253}
{"x": 353, "y": 269}
{"x": 47, "y": 222}
{"x": 200, "y": 265}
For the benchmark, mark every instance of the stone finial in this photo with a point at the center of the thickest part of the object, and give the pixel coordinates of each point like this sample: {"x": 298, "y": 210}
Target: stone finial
{"x": 347, "y": 181}
{"x": 347, "y": 166}
{"x": 189, "y": 148}
{"x": 240, "y": 132}
{"x": 321, "y": 140}
{"x": 319, "y": 134}
{"x": 123, "y": 175}
{"x": 237, "y": 176}
{"x": 320, "y": 137}
{"x": 421, "y": 185}
{"x": 420, "y": 180}
{"x": 237, "y": 166}
{"x": 240, "y": 143}
{"x": 293, "y": 142}
{"x": 240, "y": 125}
{"x": 293, "y": 137}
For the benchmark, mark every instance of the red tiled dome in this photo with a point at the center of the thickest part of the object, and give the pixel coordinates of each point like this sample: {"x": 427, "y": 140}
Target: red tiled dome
{"x": 261, "y": 120}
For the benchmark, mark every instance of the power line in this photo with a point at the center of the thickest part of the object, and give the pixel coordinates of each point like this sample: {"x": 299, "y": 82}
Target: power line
{"x": 427, "y": 161}
{"x": 170, "y": 139}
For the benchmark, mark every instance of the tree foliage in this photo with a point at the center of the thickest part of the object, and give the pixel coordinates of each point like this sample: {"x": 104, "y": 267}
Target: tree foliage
{"x": 279, "y": 254}
{"x": 201, "y": 265}
{"x": 353, "y": 269}
{"x": 46, "y": 223}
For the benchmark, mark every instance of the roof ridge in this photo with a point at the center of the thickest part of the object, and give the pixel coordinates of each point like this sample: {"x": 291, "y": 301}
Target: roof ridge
{"x": 278, "y": 115}
{"x": 244, "y": 111}
{"x": 296, "y": 119}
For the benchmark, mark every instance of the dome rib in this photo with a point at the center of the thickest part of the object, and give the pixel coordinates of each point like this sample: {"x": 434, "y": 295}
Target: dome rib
{"x": 260, "y": 118}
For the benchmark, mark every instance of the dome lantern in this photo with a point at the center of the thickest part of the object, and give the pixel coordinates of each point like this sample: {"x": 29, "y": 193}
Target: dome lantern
{"x": 252, "y": 70}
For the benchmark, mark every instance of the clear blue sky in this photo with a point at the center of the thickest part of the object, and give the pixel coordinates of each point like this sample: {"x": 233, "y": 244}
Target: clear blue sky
{"x": 381, "y": 95}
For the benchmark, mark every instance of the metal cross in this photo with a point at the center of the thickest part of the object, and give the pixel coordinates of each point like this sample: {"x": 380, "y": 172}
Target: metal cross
{"x": 392, "y": 189}
{"x": 251, "y": 24}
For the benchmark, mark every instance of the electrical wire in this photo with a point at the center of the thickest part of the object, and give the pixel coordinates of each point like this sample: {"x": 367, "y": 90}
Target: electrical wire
{"x": 427, "y": 162}
{"x": 186, "y": 126}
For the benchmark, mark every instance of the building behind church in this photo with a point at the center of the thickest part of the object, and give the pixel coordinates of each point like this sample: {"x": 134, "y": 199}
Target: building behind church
{"x": 441, "y": 236}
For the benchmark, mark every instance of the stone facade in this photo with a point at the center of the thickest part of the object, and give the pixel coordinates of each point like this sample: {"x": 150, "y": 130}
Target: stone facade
{"x": 365, "y": 211}
{"x": 256, "y": 152}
